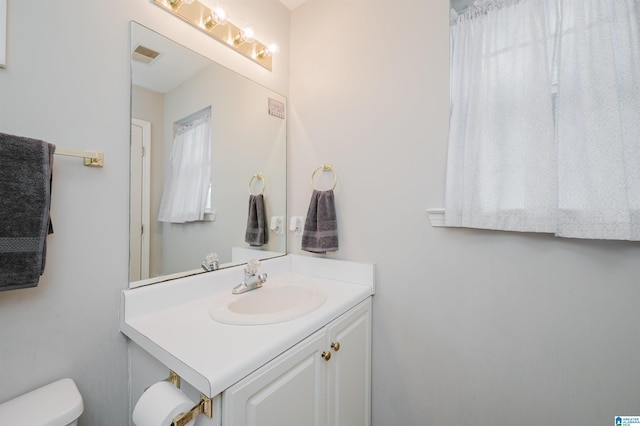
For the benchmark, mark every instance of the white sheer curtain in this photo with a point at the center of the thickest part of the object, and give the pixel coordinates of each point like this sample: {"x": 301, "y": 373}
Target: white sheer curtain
{"x": 598, "y": 119}
{"x": 501, "y": 169}
{"x": 188, "y": 177}
{"x": 544, "y": 118}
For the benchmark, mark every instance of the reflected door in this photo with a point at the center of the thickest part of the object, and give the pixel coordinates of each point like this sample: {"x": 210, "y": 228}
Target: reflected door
{"x": 139, "y": 226}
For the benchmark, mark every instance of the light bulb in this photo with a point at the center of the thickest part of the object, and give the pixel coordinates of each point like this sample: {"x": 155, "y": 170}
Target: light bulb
{"x": 248, "y": 34}
{"x": 217, "y": 17}
{"x": 269, "y": 50}
{"x": 220, "y": 15}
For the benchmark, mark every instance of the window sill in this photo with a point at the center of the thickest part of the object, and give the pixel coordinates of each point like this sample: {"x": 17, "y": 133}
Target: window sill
{"x": 436, "y": 217}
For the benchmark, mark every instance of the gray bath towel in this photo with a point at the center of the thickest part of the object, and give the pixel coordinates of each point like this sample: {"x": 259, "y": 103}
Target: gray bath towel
{"x": 320, "y": 233}
{"x": 257, "y": 233}
{"x": 25, "y": 198}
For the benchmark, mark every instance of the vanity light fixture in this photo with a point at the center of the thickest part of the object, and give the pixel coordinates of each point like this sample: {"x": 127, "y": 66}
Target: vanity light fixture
{"x": 215, "y": 23}
{"x": 177, "y": 3}
{"x": 271, "y": 49}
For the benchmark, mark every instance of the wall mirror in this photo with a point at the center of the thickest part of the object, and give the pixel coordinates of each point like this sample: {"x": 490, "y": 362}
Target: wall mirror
{"x": 171, "y": 84}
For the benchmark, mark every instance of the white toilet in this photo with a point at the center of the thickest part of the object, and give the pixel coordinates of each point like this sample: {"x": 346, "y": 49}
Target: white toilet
{"x": 56, "y": 404}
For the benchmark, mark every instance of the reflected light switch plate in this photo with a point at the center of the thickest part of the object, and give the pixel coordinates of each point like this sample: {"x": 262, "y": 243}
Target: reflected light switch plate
{"x": 277, "y": 224}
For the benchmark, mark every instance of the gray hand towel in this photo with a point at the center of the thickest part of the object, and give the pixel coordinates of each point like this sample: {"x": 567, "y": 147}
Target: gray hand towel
{"x": 320, "y": 233}
{"x": 257, "y": 233}
{"x": 25, "y": 199}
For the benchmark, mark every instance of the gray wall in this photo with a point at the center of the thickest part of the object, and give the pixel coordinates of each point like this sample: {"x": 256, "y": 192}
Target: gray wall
{"x": 469, "y": 327}
{"x": 474, "y": 326}
{"x": 67, "y": 82}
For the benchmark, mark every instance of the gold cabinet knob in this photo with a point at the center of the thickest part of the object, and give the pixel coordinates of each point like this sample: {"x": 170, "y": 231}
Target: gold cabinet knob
{"x": 326, "y": 355}
{"x": 335, "y": 346}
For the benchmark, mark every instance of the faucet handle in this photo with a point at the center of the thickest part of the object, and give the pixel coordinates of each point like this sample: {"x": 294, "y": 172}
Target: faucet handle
{"x": 253, "y": 266}
{"x": 210, "y": 262}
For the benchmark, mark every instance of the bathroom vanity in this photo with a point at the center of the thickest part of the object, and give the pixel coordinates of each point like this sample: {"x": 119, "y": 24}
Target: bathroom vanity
{"x": 304, "y": 367}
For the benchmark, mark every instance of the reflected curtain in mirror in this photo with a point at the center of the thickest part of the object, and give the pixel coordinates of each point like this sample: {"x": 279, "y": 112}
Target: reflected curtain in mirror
{"x": 188, "y": 181}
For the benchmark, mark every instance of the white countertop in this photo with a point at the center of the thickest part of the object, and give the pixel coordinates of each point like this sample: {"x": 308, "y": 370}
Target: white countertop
{"x": 171, "y": 320}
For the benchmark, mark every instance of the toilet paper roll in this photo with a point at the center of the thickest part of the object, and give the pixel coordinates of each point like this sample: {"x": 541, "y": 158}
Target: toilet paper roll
{"x": 160, "y": 404}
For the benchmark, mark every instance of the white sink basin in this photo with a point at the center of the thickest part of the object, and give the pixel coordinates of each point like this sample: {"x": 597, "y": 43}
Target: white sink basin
{"x": 274, "y": 302}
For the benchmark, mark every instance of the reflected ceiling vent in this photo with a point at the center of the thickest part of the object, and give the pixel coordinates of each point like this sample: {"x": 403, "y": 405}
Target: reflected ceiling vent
{"x": 144, "y": 54}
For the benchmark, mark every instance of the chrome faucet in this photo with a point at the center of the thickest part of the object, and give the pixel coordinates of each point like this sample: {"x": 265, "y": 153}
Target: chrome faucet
{"x": 210, "y": 262}
{"x": 252, "y": 280}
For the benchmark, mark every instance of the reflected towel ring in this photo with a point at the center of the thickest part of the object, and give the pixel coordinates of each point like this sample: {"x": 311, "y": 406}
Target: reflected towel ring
{"x": 257, "y": 176}
{"x": 324, "y": 168}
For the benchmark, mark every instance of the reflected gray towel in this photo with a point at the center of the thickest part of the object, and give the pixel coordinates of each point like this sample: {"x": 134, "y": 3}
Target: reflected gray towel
{"x": 320, "y": 233}
{"x": 257, "y": 233}
{"x": 25, "y": 198}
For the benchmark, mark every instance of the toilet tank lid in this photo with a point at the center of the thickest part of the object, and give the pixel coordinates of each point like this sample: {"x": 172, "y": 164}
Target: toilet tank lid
{"x": 54, "y": 404}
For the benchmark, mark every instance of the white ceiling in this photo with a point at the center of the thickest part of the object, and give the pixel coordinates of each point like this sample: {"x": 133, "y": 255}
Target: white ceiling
{"x": 292, "y": 4}
{"x": 175, "y": 64}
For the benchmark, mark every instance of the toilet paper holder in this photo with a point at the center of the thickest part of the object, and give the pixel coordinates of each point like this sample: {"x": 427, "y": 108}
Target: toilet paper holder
{"x": 205, "y": 406}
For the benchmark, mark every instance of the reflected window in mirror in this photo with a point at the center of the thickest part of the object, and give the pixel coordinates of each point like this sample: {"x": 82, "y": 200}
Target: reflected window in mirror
{"x": 187, "y": 183}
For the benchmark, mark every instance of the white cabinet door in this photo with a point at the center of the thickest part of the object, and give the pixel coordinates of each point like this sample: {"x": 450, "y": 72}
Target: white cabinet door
{"x": 325, "y": 380}
{"x": 288, "y": 391}
{"x": 349, "y": 378}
